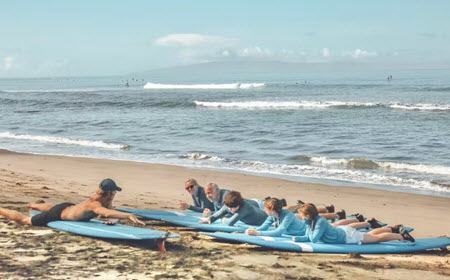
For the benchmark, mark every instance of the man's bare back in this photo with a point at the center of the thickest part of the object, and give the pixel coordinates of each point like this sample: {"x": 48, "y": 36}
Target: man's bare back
{"x": 98, "y": 204}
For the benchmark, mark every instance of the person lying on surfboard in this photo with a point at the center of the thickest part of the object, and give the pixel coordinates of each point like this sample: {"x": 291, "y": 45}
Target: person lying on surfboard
{"x": 216, "y": 196}
{"x": 284, "y": 220}
{"x": 319, "y": 229}
{"x": 98, "y": 204}
{"x": 241, "y": 209}
{"x": 201, "y": 202}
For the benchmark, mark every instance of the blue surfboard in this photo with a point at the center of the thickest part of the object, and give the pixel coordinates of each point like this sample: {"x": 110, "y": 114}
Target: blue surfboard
{"x": 96, "y": 228}
{"x": 191, "y": 219}
{"x": 193, "y": 222}
{"x": 160, "y": 214}
{"x": 285, "y": 243}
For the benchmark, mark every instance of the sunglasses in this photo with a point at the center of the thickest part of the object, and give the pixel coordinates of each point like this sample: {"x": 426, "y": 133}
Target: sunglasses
{"x": 189, "y": 187}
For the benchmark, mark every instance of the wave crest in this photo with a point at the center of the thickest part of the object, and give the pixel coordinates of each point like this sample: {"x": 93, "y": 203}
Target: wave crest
{"x": 319, "y": 105}
{"x": 63, "y": 140}
{"x": 204, "y": 86}
{"x": 362, "y": 175}
{"x": 361, "y": 163}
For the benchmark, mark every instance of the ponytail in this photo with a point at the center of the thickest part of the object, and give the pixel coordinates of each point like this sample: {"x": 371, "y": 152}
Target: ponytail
{"x": 310, "y": 210}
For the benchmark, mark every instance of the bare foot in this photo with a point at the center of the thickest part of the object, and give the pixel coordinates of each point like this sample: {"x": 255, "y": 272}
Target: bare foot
{"x": 32, "y": 205}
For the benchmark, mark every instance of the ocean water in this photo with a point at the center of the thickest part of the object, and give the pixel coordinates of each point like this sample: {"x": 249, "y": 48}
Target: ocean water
{"x": 353, "y": 129}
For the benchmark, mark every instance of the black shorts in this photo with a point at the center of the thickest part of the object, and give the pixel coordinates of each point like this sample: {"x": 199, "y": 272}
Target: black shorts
{"x": 54, "y": 214}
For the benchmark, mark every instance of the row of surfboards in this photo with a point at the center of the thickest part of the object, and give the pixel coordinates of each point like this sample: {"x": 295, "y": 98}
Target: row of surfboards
{"x": 95, "y": 228}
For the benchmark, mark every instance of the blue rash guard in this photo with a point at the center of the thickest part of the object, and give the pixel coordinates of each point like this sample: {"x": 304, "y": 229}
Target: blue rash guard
{"x": 201, "y": 202}
{"x": 247, "y": 213}
{"x": 323, "y": 231}
{"x": 286, "y": 224}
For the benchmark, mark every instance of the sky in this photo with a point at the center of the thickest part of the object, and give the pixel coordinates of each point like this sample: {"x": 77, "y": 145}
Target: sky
{"x": 96, "y": 38}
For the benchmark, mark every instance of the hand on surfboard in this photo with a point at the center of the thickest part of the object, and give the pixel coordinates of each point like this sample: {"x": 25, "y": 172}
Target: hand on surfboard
{"x": 134, "y": 219}
{"x": 205, "y": 221}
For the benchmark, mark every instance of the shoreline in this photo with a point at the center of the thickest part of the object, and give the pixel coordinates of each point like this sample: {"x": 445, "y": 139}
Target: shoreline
{"x": 291, "y": 178}
{"x": 36, "y": 253}
{"x": 140, "y": 177}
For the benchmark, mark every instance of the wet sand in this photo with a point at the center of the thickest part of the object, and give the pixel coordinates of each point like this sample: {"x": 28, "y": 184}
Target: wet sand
{"x": 32, "y": 252}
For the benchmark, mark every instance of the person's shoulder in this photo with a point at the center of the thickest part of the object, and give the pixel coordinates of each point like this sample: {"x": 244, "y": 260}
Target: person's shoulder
{"x": 322, "y": 220}
{"x": 93, "y": 200}
{"x": 286, "y": 212}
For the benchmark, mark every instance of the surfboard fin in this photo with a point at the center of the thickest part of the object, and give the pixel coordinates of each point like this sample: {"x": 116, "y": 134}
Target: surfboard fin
{"x": 161, "y": 245}
{"x": 161, "y": 242}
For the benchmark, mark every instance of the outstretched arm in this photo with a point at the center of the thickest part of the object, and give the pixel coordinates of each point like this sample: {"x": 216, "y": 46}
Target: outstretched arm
{"x": 109, "y": 213}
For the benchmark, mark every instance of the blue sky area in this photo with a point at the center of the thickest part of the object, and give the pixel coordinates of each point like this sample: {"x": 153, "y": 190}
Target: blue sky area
{"x": 79, "y": 38}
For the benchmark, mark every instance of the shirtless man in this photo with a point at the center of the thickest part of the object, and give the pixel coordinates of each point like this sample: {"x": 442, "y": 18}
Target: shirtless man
{"x": 98, "y": 204}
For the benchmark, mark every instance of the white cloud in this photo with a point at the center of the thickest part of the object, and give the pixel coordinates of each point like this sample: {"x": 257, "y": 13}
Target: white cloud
{"x": 358, "y": 53}
{"x": 325, "y": 52}
{"x": 8, "y": 63}
{"x": 255, "y": 52}
{"x": 191, "y": 40}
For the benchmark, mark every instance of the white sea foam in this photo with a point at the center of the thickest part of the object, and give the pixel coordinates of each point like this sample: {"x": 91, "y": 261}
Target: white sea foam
{"x": 360, "y": 163}
{"x": 282, "y": 104}
{"x": 319, "y": 105}
{"x": 63, "y": 140}
{"x": 204, "y": 86}
{"x": 420, "y": 107}
{"x": 322, "y": 172}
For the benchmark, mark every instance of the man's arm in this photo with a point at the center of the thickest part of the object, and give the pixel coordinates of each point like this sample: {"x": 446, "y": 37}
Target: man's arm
{"x": 108, "y": 213}
{"x": 196, "y": 208}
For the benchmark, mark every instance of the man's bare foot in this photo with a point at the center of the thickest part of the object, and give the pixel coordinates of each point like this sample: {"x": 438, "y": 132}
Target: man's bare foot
{"x": 32, "y": 205}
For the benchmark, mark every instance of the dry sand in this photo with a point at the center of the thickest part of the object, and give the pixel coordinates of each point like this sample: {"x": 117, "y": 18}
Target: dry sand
{"x": 42, "y": 253}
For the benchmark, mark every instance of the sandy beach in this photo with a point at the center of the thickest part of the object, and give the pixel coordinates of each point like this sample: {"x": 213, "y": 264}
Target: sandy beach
{"x": 32, "y": 253}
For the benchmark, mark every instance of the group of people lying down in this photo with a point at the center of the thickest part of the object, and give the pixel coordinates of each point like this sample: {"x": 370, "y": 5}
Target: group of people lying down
{"x": 312, "y": 225}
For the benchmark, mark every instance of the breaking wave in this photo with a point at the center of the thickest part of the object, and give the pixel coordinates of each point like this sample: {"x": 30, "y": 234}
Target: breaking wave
{"x": 62, "y": 140}
{"x": 331, "y": 172}
{"x": 205, "y": 86}
{"x": 319, "y": 105}
{"x": 360, "y": 163}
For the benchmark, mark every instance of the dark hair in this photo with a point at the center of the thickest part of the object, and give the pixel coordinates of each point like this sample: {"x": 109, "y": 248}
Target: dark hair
{"x": 274, "y": 204}
{"x": 233, "y": 199}
{"x": 311, "y": 210}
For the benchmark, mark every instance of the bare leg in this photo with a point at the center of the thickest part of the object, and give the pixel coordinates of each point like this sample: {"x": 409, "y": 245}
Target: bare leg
{"x": 345, "y": 222}
{"x": 369, "y": 238}
{"x": 15, "y": 216}
{"x": 329, "y": 216}
{"x": 380, "y": 230}
{"x": 359, "y": 225}
{"x": 293, "y": 208}
{"x": 40, "y": 206}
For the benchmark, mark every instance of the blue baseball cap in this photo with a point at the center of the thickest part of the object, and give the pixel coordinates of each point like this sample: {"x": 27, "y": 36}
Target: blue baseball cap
{"x": 109, "y": 185}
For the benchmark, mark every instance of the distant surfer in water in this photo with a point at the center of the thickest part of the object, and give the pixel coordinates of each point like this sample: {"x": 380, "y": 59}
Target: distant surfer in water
{"x": 98, "y": 204}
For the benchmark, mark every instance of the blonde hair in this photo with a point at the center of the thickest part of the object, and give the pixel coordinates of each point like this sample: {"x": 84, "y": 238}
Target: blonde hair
{"x": 193, "y": 181}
